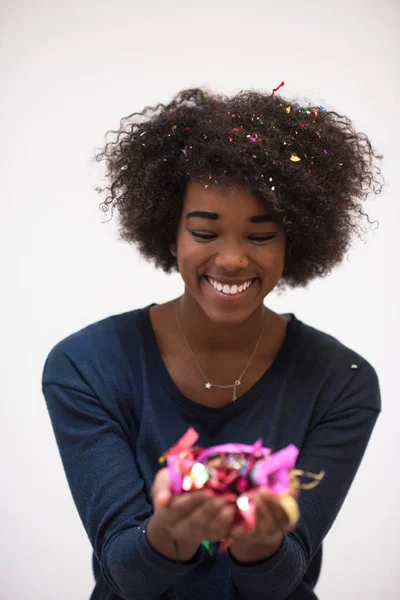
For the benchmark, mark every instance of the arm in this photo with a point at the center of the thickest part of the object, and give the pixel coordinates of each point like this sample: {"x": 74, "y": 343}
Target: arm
{"x": 105, "y": 483}
{"x": 336, "y": 445}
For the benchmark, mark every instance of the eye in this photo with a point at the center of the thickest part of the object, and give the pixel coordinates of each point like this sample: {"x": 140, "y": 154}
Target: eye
{"x": 203, "y": 236}
{"x": 257, "y": 239}
{"x": 262, "y": 239}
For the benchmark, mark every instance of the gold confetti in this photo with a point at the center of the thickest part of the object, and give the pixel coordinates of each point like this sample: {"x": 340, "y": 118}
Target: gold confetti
{"x": 288, "y": 108}
{"x": 143, "y": 133}
{"x": 295, "y": 158}
{"x": 295, "y": 474}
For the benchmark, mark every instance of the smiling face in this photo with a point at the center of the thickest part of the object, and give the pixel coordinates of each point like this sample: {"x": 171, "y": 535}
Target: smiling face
{"x": 230, "y": 253}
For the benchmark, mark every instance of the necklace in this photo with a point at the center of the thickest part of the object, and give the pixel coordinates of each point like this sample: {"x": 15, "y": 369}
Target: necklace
{"x": 208, "y": 385}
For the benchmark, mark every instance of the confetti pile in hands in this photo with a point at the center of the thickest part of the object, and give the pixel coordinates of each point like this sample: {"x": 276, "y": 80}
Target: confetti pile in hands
{"x": 232, "y": 471}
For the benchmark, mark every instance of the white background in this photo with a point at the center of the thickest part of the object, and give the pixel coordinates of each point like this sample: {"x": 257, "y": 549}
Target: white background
{"x": 69, "y": 72}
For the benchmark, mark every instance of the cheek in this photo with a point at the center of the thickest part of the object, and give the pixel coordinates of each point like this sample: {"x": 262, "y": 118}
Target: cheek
{"x": 274, "y": 257}
{"x": 192, "y": 252}
{"x": 279, "y": 254}
{"x": 191, "y": 256}
{"x": 273, "y": 263}
{"x": 280, "y": 260}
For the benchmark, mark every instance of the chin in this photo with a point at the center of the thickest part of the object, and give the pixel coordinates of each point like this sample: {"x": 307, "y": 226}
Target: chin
{"x": 230, "y": 315}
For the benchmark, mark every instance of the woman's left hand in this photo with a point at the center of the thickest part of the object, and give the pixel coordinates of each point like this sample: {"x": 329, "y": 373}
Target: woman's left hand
{"x": 271, "y": 525}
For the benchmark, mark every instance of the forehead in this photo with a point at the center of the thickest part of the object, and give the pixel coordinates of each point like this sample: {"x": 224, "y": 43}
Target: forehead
{"x": 221, "y": 199}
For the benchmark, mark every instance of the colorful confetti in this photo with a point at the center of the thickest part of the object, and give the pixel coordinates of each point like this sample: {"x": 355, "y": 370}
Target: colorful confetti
{"x": 277, "y": 88}
{"x": 254, "y": 137}
{"x": 230, "y": 471}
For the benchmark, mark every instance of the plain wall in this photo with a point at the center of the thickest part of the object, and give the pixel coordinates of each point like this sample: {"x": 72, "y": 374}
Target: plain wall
{"x": 69, "y": 72}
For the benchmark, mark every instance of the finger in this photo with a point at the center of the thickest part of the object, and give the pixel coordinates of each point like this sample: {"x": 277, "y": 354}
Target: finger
{"x": 290, "y": 509}
{"x": 284, "y": 510}
{"x": 265, "y": 523}
{"x": 199, "y": 518}
{"x": 238, "y": 532}
{"x": 209, "y": 521}
{"x": 253, "y": 518}
{"x": 183, "y": 505}
{"x": 161, "y": 489}
{"x": 277, "y": 514}
{"x": 219, "y": 523}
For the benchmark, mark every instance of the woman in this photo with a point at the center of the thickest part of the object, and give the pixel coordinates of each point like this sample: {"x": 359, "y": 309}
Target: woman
{"x": 242, "y": 195}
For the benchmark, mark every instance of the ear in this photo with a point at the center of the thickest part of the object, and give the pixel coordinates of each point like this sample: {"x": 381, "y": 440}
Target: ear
{"x": 172, "y": 249}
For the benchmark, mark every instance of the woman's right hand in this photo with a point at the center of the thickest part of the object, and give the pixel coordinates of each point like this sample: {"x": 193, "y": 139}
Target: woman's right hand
{"x": 187, "y": 519}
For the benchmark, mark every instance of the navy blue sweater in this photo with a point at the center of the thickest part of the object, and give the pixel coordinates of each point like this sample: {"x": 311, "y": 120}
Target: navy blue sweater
{"x": 115, "y": 409}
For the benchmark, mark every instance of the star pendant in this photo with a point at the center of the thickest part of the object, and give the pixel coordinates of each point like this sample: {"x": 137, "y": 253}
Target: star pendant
{"x": 208, "y": 385}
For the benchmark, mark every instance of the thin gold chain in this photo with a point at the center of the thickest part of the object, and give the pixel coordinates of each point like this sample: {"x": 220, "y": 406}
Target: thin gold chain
{"x": 208, "y": 385}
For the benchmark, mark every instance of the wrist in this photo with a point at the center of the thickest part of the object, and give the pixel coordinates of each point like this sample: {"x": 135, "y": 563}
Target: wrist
{"x": 161, "y": 540}
{"x": 246, "y": 551}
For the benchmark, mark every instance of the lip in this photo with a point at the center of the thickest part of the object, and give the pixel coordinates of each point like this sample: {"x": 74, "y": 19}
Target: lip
{"x": 242, "y": 296}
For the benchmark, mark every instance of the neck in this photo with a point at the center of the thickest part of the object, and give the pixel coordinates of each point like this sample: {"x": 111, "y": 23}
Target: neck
{"x": 207, "y": 335}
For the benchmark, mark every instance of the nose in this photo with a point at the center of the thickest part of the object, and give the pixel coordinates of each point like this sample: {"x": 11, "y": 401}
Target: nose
{"x": 231, "y": 258}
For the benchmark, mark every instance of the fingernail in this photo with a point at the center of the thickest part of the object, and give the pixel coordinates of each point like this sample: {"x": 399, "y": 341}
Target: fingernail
{"x": 163, "y": 499}
{"x": 238, "y": 531}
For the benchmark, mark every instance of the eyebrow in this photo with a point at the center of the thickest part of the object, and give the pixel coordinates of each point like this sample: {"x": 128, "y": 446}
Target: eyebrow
{"x": 215, "y": 216}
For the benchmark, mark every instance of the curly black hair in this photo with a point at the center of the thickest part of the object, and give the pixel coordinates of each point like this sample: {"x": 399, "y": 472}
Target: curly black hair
{"x": 307, "y": 165}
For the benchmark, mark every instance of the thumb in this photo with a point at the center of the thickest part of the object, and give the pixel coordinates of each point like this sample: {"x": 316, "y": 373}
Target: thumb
{"x": 291, "y": 508}
{"x": 161, "y": 490}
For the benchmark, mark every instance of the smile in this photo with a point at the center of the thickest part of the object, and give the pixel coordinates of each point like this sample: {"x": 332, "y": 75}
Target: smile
{"x": 230, "y": 290}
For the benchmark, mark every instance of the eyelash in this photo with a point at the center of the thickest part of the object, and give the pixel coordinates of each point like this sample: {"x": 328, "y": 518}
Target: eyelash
{"x": 268, "y": 238}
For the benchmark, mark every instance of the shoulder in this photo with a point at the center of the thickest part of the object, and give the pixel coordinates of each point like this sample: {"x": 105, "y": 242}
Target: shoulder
{"x": 324, "y": 347}
{"x": 331, "y": 365}
{"x": 99, "y": 344}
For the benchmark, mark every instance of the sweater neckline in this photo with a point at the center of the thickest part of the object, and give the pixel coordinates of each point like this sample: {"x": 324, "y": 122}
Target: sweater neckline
{"x": 163, "y": 378}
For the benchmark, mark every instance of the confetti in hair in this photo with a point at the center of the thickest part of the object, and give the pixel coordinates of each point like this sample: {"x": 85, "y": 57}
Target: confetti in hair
{"x": 315, "y": 156}
{"x": 277, "y": 88}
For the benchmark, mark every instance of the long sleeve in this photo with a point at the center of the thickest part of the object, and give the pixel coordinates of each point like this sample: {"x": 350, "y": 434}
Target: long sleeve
{"x": 105, "y": 482}
{"x": 336, "y": 445}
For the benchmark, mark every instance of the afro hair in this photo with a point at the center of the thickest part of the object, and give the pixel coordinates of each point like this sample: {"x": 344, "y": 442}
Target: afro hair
{"x": 307, "y": 165}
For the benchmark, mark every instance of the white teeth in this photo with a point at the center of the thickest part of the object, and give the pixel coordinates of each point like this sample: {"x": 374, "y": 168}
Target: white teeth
{"x": 230, "y": 290}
